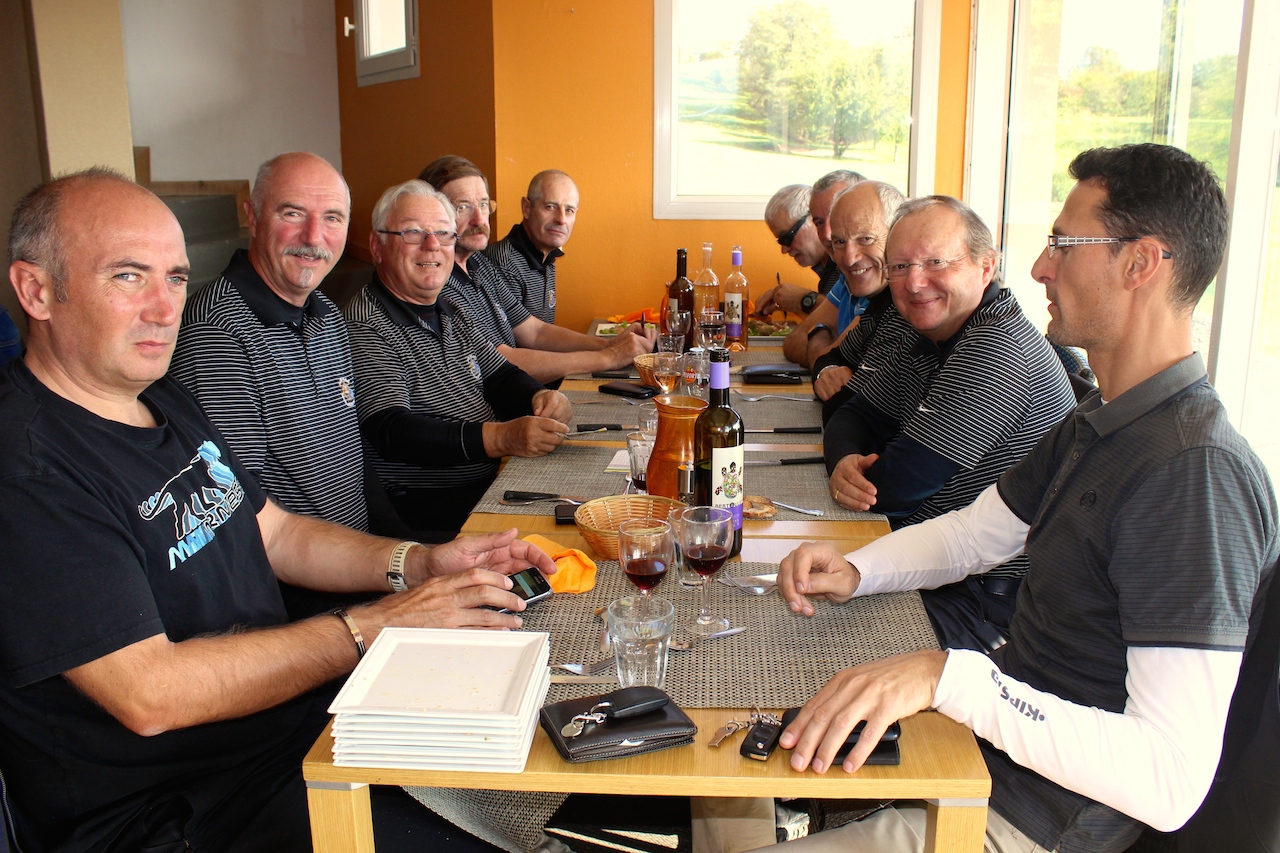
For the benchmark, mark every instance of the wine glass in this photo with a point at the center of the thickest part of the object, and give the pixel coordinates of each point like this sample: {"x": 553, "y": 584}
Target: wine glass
{"x": 711, "y": 329}
{"x": 646, "y": 549}
{"x": 705, "y": 533}
{"x": 666, "y": 370}
{"x": 678, "y": 322}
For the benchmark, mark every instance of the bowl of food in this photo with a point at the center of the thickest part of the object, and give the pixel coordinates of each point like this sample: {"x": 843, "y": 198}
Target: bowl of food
{"x": 598, "y": 519}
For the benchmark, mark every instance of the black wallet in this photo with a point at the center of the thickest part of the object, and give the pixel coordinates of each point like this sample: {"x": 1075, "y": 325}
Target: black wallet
{"x": 628, "y": 389}
{"x": 621, "y": 731}
{"x": 886, "y": 751}
{"x": 773, "y": 374}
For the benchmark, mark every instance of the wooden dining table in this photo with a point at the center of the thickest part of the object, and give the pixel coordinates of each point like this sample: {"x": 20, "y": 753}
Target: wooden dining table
{"x": 941, "y": 763}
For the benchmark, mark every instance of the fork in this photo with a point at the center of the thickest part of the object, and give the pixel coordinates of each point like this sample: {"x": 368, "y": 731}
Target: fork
{"x": 598, "y": 668}
{"x": 760, "y": 397}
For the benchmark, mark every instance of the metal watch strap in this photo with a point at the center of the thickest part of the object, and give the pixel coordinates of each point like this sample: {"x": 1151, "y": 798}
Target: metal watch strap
{"x": 353, "y": 628}
{"x": 395, "y": 567}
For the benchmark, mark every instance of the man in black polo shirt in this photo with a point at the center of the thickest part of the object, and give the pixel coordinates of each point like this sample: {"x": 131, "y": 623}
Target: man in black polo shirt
{"x": 438, "y": 405}
{"x": 1151, "y": 529}
{"x": 486, "y": 293}
{"x": 152, "y": 696}
{"x": 530, "y": 249}
{"x": 267, "y": 355}
{"x": 948, "y": 402}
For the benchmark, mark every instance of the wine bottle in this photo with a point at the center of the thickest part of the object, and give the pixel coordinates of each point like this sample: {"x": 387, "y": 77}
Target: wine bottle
{"x": 706, "y": 287}
{"x": 680, "y": 297}
{"x": 718, "y": 440}
{"x": 736, "y": 297}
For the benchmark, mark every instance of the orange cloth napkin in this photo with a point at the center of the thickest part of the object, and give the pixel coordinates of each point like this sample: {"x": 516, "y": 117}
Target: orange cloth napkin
{"x": 575, "y": 571}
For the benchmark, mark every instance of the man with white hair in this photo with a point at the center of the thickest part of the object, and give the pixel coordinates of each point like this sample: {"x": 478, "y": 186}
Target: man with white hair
{"x": 438, "y": 405}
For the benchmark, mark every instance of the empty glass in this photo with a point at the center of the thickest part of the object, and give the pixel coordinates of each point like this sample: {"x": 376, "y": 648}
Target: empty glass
{"x": 678, "y": 322}
{"x": 697, "y": 374}
{"x": 640, "y": 630}
{"x": 647, "y": 419}
{"x": 684, "y": 574}
{"x": 671, "y": 343}
{"x": 639, "y": 449}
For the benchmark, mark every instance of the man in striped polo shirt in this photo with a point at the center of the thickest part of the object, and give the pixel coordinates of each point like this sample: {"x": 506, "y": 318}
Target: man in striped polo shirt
{"x": 530, "y": 249}
{"x": 956, "y": 398}
{"x": 486, "y": 294}
{"x": 1151, "y": 528}
{"x": 437, "y": 403}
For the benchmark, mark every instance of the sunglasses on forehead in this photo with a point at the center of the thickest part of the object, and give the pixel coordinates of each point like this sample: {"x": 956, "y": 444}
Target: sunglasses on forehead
{"x": 785, "y": 238}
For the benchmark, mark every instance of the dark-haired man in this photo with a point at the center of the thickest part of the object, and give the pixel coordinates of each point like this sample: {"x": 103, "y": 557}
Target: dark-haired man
{"x": 1151, "y": 531}
{"x": 487, "y": 293}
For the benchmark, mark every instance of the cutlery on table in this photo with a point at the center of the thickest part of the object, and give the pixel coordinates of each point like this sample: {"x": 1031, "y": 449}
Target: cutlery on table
{"x": 582, "y": 428}
{"x": 754, "y": 584}
{"x": 813, "y": 430}
{"x": 758, "y": 397}
{"x": 606, "y": 646}
{"x": 598, "y": 668}
{"x": 794, "y": 460}
{"x": 585, "y": 679}
{"x": 794, "y": 508}
{"x": 586, "y": 429}
{"x": 684, "y": 645}
{"x": 516, "y": 498}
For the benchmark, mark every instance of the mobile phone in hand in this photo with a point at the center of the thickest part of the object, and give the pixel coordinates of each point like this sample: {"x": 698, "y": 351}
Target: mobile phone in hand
{"x": 531, "y": 585}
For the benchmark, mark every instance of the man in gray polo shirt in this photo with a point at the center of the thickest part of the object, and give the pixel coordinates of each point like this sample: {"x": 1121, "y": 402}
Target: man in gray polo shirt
{"x": 1151, "y": 531}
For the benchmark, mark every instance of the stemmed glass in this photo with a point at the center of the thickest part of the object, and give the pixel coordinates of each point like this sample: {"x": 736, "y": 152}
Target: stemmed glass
{"x": 666, "y": 370}
{"x": 678, "y": 322}
{"x": 711, "y": 329}
{"x": 646, "y": 549}
{"x": 705, "y": 533}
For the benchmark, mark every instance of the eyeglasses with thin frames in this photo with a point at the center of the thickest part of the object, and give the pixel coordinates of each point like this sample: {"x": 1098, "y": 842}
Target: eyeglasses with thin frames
{"x": 416, "y": 236}
{"x": 928, "y": 266}
{"x": 1060, "y": 241}
{"x": 486, "y": 207}
{"x": 786, "y": 237}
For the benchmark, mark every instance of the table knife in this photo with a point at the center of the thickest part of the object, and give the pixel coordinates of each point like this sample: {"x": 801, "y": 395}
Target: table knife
{"x": 796, "y": 460}
{"x": 596, "y": 427}
{"x": 815, "y": 430}
{"x": 511, "y": 495}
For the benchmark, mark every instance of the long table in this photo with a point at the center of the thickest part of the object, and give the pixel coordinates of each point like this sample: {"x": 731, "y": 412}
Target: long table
{"x": 941, "y": 763}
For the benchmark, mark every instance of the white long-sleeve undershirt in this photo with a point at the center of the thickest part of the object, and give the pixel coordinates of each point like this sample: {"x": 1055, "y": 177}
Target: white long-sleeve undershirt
{"x": 1153, "y": 762}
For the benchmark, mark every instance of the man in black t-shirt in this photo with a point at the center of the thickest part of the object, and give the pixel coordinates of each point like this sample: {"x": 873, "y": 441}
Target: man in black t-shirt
{"x": 151, "y": 694}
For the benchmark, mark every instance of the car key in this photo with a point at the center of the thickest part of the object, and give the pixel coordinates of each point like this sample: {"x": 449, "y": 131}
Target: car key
{"x": 627, "y": 702}
{"x": 762, "y": 739}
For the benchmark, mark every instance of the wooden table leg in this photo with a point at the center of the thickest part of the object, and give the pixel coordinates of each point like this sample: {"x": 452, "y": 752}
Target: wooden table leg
{"x": 955, "y": 825}
{"x": 341, "y": 819}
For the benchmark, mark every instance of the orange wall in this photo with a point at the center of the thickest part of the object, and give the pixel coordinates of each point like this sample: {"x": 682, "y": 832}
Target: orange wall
{"x": 953, "y": 97}
{"x": 391, "y": 130}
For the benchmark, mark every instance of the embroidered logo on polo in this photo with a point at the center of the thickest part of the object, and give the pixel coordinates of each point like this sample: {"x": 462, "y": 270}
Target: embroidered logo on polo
{"x": 551, "y": 297}
{"x": 347, "y": 393}
{"x": 208, "y": 496}
{"x": 474, "y": 367}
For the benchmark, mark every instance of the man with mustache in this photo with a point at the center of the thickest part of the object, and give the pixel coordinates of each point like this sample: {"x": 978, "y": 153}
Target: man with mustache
{"x": 530, "y": 249}
{"x": 486, "y": 293}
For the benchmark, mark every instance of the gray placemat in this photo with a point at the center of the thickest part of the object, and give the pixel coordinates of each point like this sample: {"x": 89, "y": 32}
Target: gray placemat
{"x": 802, "y": 485}
{"x": 573, "y": 469}
{"x": 780, "y": 661}
{"x": 593, "y": 407}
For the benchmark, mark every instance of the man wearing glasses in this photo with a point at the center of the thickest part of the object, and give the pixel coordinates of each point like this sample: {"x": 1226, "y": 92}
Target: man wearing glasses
{"x": 1151, "y": 530}
{"x": 943, "y": 405}
{"x": 486, "y": 293}
{"x": 437, "y": 403}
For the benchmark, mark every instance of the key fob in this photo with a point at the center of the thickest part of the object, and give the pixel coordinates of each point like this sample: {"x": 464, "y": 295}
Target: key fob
{"x": 761, "y": 740}
{"x": 634, "y": 701}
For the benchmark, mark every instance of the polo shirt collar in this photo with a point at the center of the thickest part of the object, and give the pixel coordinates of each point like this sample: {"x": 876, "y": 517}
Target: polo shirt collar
{"x": 401, "y": 312}
{"x": 943, "y": 348}
{"x": 265, "y": 304}
{"x": 1145, "y": 397}
{"x": 520, "y": 240}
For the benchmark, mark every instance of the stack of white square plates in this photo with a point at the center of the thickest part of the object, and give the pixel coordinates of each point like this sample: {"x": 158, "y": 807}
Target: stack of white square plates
{"x": 431, "y": 699}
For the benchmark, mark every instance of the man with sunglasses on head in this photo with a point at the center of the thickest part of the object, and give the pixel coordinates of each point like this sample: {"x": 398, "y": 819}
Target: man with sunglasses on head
{"x": 945, "y": 402}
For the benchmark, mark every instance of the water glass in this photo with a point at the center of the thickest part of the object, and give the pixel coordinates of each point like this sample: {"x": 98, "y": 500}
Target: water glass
{"x": 639, "y": 449}
{"x": 647, "y": 419}
{"x": 640, "y": 630}
{"x": 671, "y": 343}
{"x": 687, "y": 576}
{"x": 697, "y": 374}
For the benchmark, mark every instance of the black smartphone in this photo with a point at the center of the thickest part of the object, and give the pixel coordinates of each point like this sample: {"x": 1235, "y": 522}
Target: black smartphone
{"x": 531, "y": 585}
{"x": 564, "y": 513}
{"x": 886, "y": 751}
{"x": 628, "y": 389}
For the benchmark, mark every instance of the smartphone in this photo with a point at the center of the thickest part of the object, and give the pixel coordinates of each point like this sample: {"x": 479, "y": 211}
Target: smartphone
{"x": 564, "y": 514}
{"x": 531, "y": 585}
{"x": 628, "y": 389}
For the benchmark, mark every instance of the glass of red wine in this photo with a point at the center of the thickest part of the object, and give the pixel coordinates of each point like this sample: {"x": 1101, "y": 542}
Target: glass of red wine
{"x": 705, "y": 534}
{"x": 646, "y": 549}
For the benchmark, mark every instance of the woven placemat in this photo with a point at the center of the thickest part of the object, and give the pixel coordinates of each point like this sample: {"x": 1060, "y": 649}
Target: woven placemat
{"x": 780, "y": 661}
{"x": 592, "y": 407}
{"x": 802, "y": 485}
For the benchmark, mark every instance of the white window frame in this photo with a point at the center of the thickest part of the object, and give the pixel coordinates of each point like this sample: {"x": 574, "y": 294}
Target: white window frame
{"x": 401, "y": 64}
{"x": 922, "y": 149}
{"x": 1255, "y": 146}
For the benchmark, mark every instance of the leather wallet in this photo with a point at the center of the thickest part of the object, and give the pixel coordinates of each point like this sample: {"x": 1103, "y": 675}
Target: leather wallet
{"x": 663, "y": 726}
{"x": 772, "y": 374}
{"x": 886, "y": 751}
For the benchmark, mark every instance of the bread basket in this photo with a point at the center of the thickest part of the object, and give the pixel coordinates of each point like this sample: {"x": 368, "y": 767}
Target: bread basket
{"x": 598, "y": 519}
{"x": 644, "y": 366}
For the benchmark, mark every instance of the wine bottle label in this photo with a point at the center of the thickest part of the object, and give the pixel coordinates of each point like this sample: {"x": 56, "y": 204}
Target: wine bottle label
{"x": 673, "y": 305}
{"x": 726, "y": 481}
{"x": 733, "y": 315}
{"x": 720, "y": 374}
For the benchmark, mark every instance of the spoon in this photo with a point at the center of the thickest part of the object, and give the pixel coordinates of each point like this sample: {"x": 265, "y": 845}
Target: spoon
{"x": 685, "y": 645}
{"x": 799, "y": 508}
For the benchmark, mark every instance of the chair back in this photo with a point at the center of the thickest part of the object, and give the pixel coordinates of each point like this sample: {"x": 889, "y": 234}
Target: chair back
{"x": 1242, "y": 811}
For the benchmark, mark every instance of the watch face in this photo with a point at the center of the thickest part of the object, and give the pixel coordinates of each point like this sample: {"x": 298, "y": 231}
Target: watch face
{"x": 807, "y": 301}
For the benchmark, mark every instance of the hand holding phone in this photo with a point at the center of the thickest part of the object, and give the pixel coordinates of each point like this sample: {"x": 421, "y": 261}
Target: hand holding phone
{"x": 531, "y": 585}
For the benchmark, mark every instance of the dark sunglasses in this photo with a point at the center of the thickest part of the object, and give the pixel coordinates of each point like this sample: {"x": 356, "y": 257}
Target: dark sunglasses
{"x": 785, "y": 238}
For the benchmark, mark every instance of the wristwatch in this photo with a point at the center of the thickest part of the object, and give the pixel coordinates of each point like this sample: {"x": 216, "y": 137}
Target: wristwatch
{"x": 819, "y": 327}
{"x": 807, "y": 301}
{"x": 395, "y": 567}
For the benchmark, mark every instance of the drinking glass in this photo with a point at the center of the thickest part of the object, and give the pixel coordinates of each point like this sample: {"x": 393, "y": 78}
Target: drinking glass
{"x": 697, "y": 374}
{"x": 705, "y": 534}
{"x": 646, "y": 550}
{"x": 684, "y": 574}
{"x": 671, "y": 343}
{"x": 666, "y": 370}
{"x": 639, "y": 449}
{"x": 678, "y": 322}
{"x": 647, "y": 419}
{"x": 640, "y": 632}
{"x": 711, "y": 329}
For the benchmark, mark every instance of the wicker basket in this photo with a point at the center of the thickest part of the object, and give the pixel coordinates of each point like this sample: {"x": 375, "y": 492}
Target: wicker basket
{"x": 598, "y": 520}
{"x": 644, "y": 366}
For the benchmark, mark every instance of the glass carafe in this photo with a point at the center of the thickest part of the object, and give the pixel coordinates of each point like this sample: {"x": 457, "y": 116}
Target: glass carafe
{"x": 676, "y": 416}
